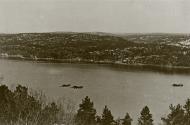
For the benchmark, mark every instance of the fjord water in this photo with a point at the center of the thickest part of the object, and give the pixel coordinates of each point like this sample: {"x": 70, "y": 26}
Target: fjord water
{"x": 123, "y": 90}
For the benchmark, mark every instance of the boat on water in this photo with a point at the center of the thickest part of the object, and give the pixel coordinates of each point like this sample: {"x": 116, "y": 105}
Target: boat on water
{"x": 177, "y": 85}
{"x": 65, "y": 85}
{"x": 74, "y": 87}
{"x": 77, "y": 87}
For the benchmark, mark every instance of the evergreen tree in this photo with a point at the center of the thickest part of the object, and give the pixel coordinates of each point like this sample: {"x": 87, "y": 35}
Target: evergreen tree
{"x": 146, "y": 117}
{"x": 86, "y": 113}
{"x": 127, "y": 120}
{"x": 187, "y": 112}
{"x": 176, "y": 116}
{"x": 7, "y": 105}
{"x": 107, "y": 117}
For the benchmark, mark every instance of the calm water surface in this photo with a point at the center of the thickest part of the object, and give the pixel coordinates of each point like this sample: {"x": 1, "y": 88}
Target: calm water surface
{"x": 121, "y": 89}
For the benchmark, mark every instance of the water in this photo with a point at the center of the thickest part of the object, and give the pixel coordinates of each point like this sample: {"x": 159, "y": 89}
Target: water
{"x": 123, "y": 90}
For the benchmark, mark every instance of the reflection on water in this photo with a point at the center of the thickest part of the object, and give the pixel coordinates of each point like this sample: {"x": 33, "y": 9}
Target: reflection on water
{"x": 122, "y": 89}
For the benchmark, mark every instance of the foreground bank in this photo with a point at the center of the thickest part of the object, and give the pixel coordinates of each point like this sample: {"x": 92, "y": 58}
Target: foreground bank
{"x": 23, "y": 107}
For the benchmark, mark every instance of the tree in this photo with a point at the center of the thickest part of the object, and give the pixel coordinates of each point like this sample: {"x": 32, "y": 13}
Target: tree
{"x": 107, "y": 117}
{"x": 187, "y": 112}
{"x": 7, "y": 105}
{"x": 21, "y": 102}
{"x": 127, "y": 120}
{"x": 146, "y": 117}
{"x": 18, "y": 107}
{"x": 175, "y": 117}
{"x": 86, "y": 113}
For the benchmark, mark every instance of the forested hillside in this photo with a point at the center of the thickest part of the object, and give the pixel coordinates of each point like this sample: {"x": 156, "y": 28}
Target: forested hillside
{"x": 151, "y": 49}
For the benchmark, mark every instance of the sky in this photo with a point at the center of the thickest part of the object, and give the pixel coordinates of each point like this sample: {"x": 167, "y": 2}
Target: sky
{"x": 114, "y": 16}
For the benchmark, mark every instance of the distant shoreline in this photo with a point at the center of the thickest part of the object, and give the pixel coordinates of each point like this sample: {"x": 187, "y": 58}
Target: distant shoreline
{"x": 139, "y": 67}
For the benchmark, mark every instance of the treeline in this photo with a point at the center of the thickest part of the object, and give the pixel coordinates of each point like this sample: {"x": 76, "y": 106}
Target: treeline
{"x": 22, "y": 107}
{"x": 86, "y": 115}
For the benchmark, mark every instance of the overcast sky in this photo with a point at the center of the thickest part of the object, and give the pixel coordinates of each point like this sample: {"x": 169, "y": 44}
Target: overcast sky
{"x": 126, "y": 16}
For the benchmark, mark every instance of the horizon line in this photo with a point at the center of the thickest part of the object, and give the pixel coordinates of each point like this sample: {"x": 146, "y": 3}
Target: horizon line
{"x": 95, "y": 32}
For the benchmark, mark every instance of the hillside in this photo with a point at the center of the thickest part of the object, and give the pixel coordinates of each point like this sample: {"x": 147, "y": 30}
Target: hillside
{"x": 154, "y": 49}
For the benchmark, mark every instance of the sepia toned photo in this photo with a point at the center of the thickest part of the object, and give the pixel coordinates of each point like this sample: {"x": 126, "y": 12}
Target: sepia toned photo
{"x": 94, "y": 62}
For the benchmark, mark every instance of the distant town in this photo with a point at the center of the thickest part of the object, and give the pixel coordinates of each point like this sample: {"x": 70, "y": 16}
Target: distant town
{"x": 134, "y": 49}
